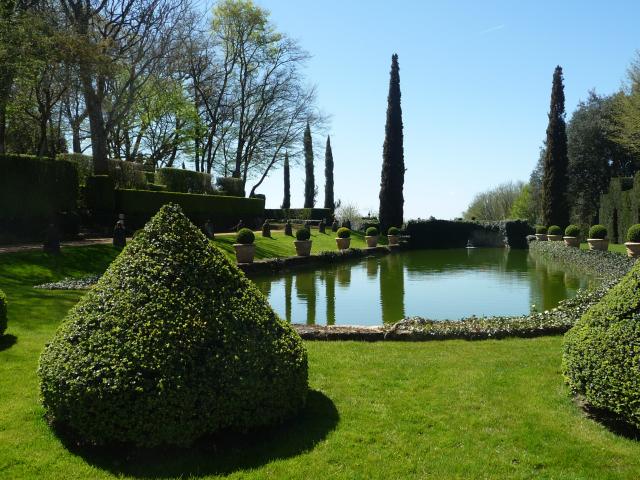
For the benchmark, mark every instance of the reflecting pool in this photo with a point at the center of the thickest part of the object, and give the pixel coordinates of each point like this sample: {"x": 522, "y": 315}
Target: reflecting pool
{"x": 436, "y": 284}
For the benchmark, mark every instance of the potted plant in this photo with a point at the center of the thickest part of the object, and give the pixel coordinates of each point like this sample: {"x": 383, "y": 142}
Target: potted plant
{"x": 554, "y": 233}
{"x": 541, "y": 233}
{"x": 393, "y": 235}
{"x": 572, "y": 236}
{"x": 633, "y": 241}
{"x": 598, "y": 238}
{"x": 245, "y": 249}
{"x": 302, "y": 242}
{"x": 344, "y": 238}
{"x": 371, "y": 236}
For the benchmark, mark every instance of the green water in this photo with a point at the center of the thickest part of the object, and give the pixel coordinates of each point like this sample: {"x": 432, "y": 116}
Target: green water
{"x": 436, "y": 284}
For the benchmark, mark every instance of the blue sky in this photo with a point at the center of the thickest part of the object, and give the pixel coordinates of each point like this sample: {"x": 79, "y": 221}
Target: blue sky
{"x": 475, "y": 79}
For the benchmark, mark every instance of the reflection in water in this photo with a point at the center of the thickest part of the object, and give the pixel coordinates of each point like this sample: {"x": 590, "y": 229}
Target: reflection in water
{"x": 437, "y": 284}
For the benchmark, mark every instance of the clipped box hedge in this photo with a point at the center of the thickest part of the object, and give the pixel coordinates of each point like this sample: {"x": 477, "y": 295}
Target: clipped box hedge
{"x": 224, "y": 211}
{"x": 620, "y": 207}
{"x": 298, "y": 213}
{"x": 185, "y": 181}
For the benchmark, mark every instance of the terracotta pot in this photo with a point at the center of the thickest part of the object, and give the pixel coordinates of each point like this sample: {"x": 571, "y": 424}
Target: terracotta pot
{"x": 633, "y": 249}
{"x": 598, "y": 244}
{"x": 372, "y": 241}
{"x": 541, "y": 237}
{"x": 303, "y": 247}
{"x": 244, "y": 252}
{"x": 572, "y": 242}
{"x": 554, "y": 238}
{"x": 393, "y": 239}
{"x": 343, "y": 243}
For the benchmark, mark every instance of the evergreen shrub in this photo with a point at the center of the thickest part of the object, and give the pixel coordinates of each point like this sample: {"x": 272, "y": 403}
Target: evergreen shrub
{"x": 185, "y": 181}
{"x": 394, "y": 231}
{"x": 541, "y": 230}
{"x": 633, "y": 234}
{"x": 344, "y": 232}
{"x": 598, "y": 231}
{"x": 303, "y": 234}
{"x": 572, "y": 231}
{"x": 372, "y": 232}
{"x": 554, "y": 230}
{"x": 245, "y": 236}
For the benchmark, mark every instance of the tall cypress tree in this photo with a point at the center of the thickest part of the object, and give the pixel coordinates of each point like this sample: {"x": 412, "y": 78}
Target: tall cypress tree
{"x": 328, "y": 177}
{"x": 309, "y": 182}
{"x": 392, "y": 181}
{"x": 555, "y": 181}
{"x": 286, "y": 201}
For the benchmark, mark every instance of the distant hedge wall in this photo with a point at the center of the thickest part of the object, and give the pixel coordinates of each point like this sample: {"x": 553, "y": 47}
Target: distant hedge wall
{"x": 297, "y": 213}
{"x": 34, "y": 191}
{"x": 620, "y": 207}
{"x": 230, "y": 186}
{"x": 224, "y": 211}
{"x": 435, "y": 233}
{"x": 185, "y": 181}
{"x": 124, "y": 174}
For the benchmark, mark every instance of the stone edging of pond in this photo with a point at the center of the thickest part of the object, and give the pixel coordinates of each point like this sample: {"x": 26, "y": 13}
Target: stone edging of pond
{"x": 609, "y": 267}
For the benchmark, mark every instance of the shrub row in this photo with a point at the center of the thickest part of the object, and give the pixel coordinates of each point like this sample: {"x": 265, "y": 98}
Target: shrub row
{"x": 124, "y": 174}
{"x": 230, "y": 186}
{"x": 620, "y": 206}
{"x": 298, "y": 213}
{"x": 185, "y": 181}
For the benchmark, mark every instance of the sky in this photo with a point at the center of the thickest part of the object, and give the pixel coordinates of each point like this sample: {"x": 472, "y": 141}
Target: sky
{"x": 475, "y": 78}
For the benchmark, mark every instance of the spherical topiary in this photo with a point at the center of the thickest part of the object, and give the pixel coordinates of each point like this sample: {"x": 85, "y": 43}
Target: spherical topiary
{"x": 303, "y": 234}
{"x": 554, "y": 230}
{"x": 393, "y": 231}
{"x": 372, "y": 232}
{"x": 3, "y": 312}
{"x": 601, "y": 353}
{"x": 245, "y": 236}
{"x": 598, "y": 231}
{"x": 172, "y": 343}
{"x": 541, "y": 230}
{"x": 633, "y": 234}
{"x": 572, "y": 231}
{"x": 344, "y": 232}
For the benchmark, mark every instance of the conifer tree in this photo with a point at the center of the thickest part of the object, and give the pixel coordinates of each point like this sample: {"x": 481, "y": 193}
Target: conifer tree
{"x": 286, "y": 201}
{"x": 328, "y": 175}
{"x": 309, "y": 182}
{"x": 555, "y": 208}
{"x": 392, "y": 178}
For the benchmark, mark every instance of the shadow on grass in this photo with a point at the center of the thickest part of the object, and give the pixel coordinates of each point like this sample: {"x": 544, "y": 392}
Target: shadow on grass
{"x": 221, "y": 454}
{"x": 609, "y": 420}
{"x": 7, "y": 341}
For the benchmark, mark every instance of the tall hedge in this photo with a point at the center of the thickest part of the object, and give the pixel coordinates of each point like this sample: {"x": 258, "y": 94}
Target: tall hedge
{"x": 297, "y": 213}
{"x": 173, "y": 343}
{"x": 185, "y": 181}
{"x": 620, "y": 206}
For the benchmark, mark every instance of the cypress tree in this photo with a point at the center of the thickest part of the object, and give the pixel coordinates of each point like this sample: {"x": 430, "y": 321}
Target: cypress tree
{"x": 555, "y": 181}
{"x": 286, "y": 201}
{"x": 392, "y": 181}
{"x": 328, "y": 175}
{"x": 309, "y": 182}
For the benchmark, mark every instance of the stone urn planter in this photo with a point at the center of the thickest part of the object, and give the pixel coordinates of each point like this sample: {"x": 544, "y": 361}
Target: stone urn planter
{"x": 393, "y": 240}
{"x": 554, "y": 238}
{"x": 541, "y": 237}
{"x": 245, "y": 252}
{"x": 343, "y": 243}
{"x": 303, "y": 247}
{"x": 572, "y": 241}
{"x": 601, "y": 244}
{"x": 633, "y": 249}
{"x": 372, "y": 241}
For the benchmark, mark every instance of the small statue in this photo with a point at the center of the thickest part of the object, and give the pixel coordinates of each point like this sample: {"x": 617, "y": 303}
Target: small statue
{"x": 239, "y": 225}
{"x": 119, "y": 235}
{"x": 52, "y": 240}
{"x": 334, "y": 225}
{"x": 321, "y": 226}
{"x": 346, "y": 223}
{"x": 287, "y": 229}
{"x": 208, "y": 229}
{"x": 266, "y": 229}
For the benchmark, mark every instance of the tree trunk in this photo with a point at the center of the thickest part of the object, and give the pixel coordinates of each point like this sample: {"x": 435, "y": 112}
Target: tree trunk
{"x": 96, "y": 124}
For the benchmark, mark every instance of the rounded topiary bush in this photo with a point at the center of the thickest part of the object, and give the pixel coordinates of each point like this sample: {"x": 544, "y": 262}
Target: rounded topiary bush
{"x": 372, "y": 232}
{"x": 344, "y": 232}
{"x": 3, "y": 312}
{"x": 598, "y": 231}
{"x": 172, "y": 343}
{"x": 601, "y": 358}
{"x": 303, "y": 234}
{"x": 633, "y": 234}
{"x": 245, "y": 236}
{"x": 393, "y": 231}
{"x": 572, "y": 231}
{"x": 541, "y": 230}
{"x": 554, "y": 230}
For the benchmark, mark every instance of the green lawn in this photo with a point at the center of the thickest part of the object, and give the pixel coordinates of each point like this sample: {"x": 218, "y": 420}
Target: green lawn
{"x": 613, "y": 247}
{"x": 451, "y": 409}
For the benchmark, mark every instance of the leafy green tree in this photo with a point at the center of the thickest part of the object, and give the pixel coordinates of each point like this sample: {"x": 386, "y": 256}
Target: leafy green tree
{"x": 328, "y": 175}
{"x": 627, "y": 111}
{"x": 555, "y": 209}
{"x": 309, "y": 182}
{"x": 286, "y": 201}
{"x": 494, "y": 204}
{"x": 523, "y": 206}
{"x": 392, "y": 178}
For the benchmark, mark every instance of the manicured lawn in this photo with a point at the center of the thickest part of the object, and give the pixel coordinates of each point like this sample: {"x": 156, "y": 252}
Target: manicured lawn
{"x": 613, "y": 247}
{"x": 452, "y": 409}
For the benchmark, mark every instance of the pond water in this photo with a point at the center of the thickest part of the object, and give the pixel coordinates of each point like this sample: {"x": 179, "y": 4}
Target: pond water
{"x": 436, "y": 284}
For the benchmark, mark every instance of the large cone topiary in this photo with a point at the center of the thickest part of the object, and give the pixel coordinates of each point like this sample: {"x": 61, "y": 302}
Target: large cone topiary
{"x": 601, "y": 358}
{"x": 171, "y": 344}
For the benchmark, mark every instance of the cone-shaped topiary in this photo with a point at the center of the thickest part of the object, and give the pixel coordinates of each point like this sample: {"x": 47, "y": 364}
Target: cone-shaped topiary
{"x": 601, "y": 359}
{"x": 172, "y": 343}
